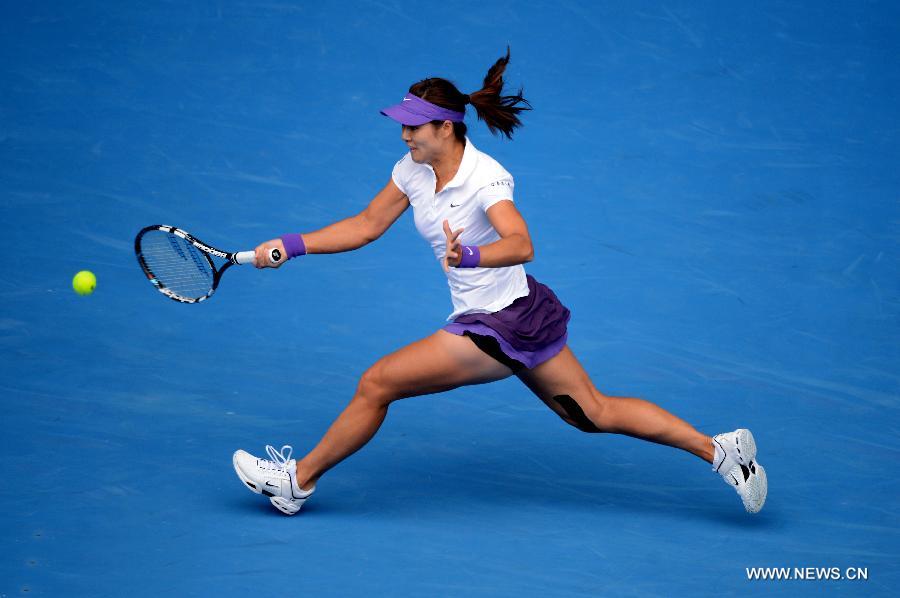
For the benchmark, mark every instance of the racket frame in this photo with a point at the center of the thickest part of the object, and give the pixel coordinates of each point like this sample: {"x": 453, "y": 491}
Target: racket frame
{"x": 205, "y": 249}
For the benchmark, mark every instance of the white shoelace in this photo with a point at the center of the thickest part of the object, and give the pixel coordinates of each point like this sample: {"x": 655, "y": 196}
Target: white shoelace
{"x": 279, "y": 460}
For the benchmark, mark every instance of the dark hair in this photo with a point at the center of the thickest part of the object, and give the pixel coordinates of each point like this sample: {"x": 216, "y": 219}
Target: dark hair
{"x": 499, "y": 112}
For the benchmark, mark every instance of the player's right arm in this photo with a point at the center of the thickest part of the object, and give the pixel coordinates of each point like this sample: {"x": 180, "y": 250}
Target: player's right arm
{"x": 350, "y": 233}
{"x": 383, "y": 211}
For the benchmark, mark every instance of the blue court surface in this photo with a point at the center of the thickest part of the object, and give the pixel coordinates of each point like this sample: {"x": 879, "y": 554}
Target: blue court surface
{"x": 712, "y": 188}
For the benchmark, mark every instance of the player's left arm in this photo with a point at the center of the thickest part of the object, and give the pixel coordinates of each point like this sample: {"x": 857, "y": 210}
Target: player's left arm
{"x": 514, "y": 246}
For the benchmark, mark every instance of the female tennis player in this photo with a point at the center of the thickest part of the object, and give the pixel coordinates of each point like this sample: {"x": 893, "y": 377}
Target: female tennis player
{"x": 504, "y": 322}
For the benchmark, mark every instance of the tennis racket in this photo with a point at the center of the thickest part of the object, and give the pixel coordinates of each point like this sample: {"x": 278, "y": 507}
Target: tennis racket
{"x": 180, "y": 266}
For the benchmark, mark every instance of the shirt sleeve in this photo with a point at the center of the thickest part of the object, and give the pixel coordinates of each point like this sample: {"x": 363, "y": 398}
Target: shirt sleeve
{"x": 493, "y": 192}
{"x": 398, "y": 174}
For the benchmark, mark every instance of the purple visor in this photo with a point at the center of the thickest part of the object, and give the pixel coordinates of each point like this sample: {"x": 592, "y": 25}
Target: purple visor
{"x": 414, "y": 111}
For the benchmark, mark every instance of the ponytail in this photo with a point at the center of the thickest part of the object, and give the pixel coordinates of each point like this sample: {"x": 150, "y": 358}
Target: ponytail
{"x": 498, "y": 111}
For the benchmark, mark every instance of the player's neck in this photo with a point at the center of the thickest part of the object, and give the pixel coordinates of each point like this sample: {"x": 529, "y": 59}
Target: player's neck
{"x": 446, "y": 166}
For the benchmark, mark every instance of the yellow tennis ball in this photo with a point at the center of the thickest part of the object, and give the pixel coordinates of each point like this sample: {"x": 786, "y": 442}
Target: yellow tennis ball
{"x": 84, "y": 282}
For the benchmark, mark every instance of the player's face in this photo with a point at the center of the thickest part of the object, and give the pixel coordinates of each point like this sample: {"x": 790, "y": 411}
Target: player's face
{"x": 425, "y": 142}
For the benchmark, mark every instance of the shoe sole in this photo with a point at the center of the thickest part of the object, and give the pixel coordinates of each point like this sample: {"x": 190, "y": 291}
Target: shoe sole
{"x": 763, "y": 487}
{"x": 284, "y": 505}
{"x": 753, "y": 492}
{"x": 746, "y": 446}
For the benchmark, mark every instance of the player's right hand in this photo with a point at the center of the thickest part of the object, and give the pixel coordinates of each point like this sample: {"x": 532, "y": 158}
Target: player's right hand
{"x": 262, "y": 254}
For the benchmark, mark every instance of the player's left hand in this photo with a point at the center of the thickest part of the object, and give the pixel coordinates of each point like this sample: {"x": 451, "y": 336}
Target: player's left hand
{"x": 453, "y": 255}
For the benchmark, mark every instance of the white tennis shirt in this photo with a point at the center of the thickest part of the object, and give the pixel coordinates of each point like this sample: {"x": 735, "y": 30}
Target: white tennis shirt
{"x": 479, "y": 183}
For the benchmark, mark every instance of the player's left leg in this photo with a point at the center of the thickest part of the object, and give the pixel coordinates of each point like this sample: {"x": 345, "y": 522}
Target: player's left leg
{"x": 563, "y": 385}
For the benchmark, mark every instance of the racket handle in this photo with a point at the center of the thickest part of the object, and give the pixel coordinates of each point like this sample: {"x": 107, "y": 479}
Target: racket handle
{"x": 249, "y": 257}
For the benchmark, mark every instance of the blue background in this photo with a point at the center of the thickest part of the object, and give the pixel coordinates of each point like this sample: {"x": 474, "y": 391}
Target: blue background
{"x": 711, "y": 188}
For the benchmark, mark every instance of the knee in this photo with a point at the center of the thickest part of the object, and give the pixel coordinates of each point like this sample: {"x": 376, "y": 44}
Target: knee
{"x": 373, "y": 387}
{"x": 587, "y": 416}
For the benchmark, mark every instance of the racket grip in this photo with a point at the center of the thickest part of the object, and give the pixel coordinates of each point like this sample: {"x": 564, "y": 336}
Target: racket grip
{"x": 249, "y": 257}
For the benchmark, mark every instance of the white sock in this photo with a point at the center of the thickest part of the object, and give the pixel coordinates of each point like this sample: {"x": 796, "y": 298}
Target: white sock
{"x": 298, "y": 491}
{"x": 718, "y": 457}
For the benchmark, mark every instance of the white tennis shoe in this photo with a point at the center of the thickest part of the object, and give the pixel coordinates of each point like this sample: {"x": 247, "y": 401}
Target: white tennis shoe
{"x": 276, "y": 478}
{"x": 735, "y": 461}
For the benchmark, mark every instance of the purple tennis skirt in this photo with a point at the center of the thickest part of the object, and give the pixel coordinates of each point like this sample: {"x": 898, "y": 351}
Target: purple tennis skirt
{"x": 525, "y": 333}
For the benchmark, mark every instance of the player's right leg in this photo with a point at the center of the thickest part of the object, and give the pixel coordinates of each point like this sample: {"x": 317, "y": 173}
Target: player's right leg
{"x": 439, "y": 362}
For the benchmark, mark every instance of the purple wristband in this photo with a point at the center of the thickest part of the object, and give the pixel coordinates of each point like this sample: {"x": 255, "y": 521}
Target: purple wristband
{"x": 294, "y": 245}
{"x": 470, "y": 256}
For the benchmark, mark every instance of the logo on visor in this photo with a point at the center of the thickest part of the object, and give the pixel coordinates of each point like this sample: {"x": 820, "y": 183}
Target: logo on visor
{"x": 407, "y": 99}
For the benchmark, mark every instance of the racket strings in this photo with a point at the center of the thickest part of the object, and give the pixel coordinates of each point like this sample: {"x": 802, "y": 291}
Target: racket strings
{"x": 177, "y": 264}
